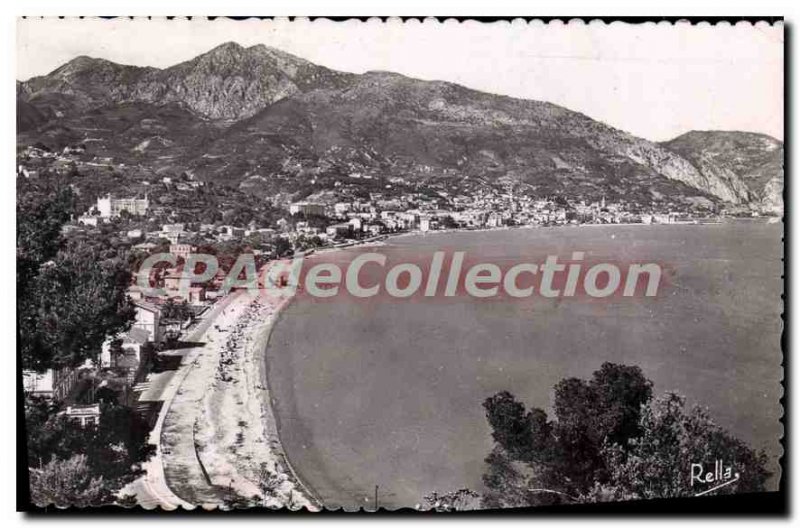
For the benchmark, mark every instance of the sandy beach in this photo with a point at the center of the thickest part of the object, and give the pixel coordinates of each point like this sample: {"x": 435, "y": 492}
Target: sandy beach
{"x": 217, "y": 442}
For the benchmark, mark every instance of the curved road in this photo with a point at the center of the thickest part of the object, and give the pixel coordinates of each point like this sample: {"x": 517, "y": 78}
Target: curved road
{"x": 151, "y": 490}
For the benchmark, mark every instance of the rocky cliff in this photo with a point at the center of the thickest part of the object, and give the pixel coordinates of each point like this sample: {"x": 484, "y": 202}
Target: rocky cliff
{"x": 754, "y": 160}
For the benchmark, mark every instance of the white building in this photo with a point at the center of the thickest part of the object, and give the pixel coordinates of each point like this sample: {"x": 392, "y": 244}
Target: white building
{"x": 341, "y": 208}
{"x": 84, "y": 414}
{"x": 88, "y": 220}
{"x": 52, "y": 383}
{"x": 356, "y": 223}
{"x": 228, "y": 232}
{"x": 148, "y": 317}
{"x": 181, "y": 250}
{"x": 307, "y": 208}
{"x": 110, "y": 207}
{"x": 427, "y": 223}
{"x": 173, "y": 228}
{"x": 38, "y": 384}
{"x": 129, "y": 355}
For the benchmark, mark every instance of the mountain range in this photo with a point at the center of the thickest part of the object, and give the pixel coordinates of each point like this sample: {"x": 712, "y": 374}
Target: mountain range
{"x": 258, "y": 115}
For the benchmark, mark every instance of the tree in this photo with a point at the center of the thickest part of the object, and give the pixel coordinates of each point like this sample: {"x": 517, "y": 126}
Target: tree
{"x": 113, "y": 450}
{"x": 176, "y": 311}
{"x": 658, "y": 462}
{"x": 70, "y": 294}
{"x": 41, "y": 211}
{"x": 38, "y": 411}
{"x": 74, "y": 302}
{"x": 282, "y": 247}
{"x": 608, "y": 441}
{"x": 304, "y": 243}
{"x": 447, "y": 222}
{"x": 67, "y": 482}
{"x": 510, "y": 424}
{"x": 506, "y": 483}
{"x": 526, "y": 450}
{"x": 589, "y": 414}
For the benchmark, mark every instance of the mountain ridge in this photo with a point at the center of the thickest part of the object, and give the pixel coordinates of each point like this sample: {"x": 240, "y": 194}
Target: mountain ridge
{"x": 423, "y": 123}
{"x": 228, "y": 82}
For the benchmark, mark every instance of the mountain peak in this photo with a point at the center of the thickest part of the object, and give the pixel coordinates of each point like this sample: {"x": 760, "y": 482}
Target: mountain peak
{"x": 444, "y": 125}
{"x": 79, "y": 63}
{"x": 229, "y": 46}
{"x": 226, "y": 52}
{"x": 252, "y": 60}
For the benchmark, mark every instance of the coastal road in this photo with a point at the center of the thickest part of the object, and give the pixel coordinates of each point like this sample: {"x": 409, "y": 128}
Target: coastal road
{"x": 151, "y": 489}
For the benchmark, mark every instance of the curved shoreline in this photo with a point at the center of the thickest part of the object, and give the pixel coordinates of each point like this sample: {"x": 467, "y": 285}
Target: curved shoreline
{"x": 322, "y": 480}
{"x": 272, "y": 418}
{"x": 300, "y": 418}
{"x": 241, "y": 436}
{"x": 219, "y": 445}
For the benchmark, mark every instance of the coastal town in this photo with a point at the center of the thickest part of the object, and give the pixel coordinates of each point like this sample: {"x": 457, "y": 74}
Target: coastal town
{"x": 136, "y": 367}
{"x": 134, "y": 222}
{"x": 131, "y": 363}
{"x": 161, "y": 365}
{"x": 341, "y": 214}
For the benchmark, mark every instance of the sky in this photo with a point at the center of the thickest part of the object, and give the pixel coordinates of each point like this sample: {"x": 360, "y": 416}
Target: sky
{"x": 656, "y": 81}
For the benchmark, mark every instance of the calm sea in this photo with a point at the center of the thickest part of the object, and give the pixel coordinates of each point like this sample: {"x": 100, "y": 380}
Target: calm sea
{"x": 390, "y": 394}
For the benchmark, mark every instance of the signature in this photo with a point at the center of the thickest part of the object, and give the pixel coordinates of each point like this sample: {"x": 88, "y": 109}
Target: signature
{"x": 721, "y": 476}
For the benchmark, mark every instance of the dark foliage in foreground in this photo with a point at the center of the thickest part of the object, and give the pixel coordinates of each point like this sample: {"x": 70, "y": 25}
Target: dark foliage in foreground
{"x": 71, "y": 294}
{"x": 75, "y": 465}
{"x": 609, "y": 440}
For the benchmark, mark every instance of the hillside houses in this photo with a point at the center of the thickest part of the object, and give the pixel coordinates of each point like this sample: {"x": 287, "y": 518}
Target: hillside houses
{"x": 121, "y": 358}
{"x": 313, "y": 223}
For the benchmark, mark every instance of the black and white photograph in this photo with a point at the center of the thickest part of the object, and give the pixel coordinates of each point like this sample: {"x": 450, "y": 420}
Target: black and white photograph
{"x": 386, "y": 264}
